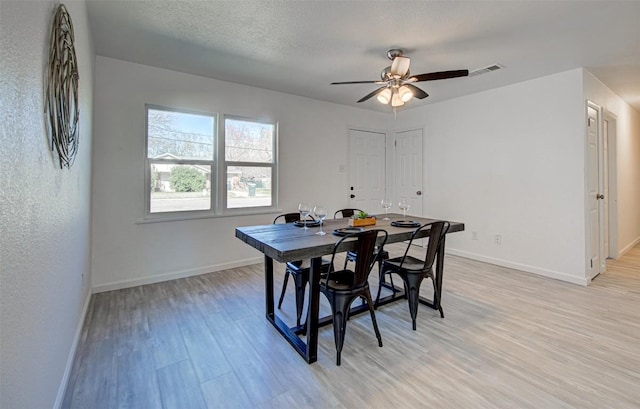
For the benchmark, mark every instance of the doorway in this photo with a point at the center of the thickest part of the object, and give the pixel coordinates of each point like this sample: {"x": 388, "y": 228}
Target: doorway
{"x": 367, "y": 169}
{"x": 601, "y": 190}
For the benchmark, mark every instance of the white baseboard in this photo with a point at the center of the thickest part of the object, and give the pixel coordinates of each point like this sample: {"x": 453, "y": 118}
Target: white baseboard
{"x": 118, "y": 285}
{"x": 628, "y": 247}
{"x": 518, "y": 266}
{"x": 72, "y": 353}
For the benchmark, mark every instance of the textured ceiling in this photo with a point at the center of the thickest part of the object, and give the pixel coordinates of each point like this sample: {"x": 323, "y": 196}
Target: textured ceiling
{"x": 299, "y": 47}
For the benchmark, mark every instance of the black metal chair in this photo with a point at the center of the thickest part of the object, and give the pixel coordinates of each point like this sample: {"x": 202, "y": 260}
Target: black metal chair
{"x": 299, "y": 270}
{"x": 345, "y": 213}
{"x": 381, "y": 253}
{"x": 413, "y": 270}
{"x": 342, "y": 287}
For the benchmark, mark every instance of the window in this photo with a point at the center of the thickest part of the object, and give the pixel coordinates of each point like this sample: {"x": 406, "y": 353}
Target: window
{"x": 249, "y": 163}
{"x": 180, "y": 161}
{"x": 190, "y": 172}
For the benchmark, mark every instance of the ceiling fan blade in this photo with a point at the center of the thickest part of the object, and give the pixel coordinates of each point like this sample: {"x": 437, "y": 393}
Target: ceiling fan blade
{"x": 417, "y": 92}
{"x": 366, "y": 97}
{"x": 355, "y": 82}
{"x": 440, "y": 75}
{"x": 400, "y": 66}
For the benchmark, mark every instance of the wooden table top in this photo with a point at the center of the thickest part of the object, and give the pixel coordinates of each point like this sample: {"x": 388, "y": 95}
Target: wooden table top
{"x": 287, "y": 242}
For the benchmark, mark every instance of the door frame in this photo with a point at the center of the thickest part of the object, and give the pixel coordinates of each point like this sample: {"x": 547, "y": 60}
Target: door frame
{"x": 612, "y": 183}
{"x": 600, "y": 172}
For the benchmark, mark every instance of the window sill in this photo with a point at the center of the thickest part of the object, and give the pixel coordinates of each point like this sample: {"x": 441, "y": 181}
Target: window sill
{"x": 185, "y": 217}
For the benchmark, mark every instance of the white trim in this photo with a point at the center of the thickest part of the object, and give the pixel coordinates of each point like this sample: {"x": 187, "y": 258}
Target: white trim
{"x": 118, "y": 285}
{"x": 522, "y": 267}
{"x": 628, "y": 247}
{"x": 612, "y": 162}
{"x": 72, "y": 354}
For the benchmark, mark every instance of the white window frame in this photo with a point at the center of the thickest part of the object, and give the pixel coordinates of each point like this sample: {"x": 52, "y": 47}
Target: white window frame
{"x": 224, "y": 164}
{"x": 212, "y": 163}
{"x": 218, "y": 166}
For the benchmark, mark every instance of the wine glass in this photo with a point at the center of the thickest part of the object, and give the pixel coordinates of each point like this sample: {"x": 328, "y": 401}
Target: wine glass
{"x": 386, "y": 205}
{"x": 321, "y": 214}
{"x": 404, "y": 206}
{"x": 304, "y": 210}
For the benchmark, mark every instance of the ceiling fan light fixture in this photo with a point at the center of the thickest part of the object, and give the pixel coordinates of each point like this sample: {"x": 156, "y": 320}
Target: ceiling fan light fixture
{"x": 405, "y": 93}
{"x": 384, "y": 96}
{"x": 397, "y": 81}
{"x": 396, "y": 100}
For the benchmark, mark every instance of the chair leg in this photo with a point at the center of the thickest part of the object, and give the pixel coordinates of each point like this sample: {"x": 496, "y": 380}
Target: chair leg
{"x": 284, "y": 288}
{"x": 301, "y": 281}
{"x": 380, "y": 282}
{"x": 436, "y": 297}
{"x": 412, "y": 284}
{"x": 340, "y": 309}
{"x": 367, "y": 296}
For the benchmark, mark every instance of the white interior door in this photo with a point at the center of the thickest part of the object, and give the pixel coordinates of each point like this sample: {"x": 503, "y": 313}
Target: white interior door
{"x": 408, "y": 170}
{"x": 595, "y": 197}
{"x": 367, "y": 169}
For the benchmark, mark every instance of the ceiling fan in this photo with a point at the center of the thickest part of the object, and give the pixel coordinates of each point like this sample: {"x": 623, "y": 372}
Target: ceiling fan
{"x": 398, "y": 82}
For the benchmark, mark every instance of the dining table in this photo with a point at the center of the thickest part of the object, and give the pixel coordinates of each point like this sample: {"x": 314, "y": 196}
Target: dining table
{"x": 291, "y": 242}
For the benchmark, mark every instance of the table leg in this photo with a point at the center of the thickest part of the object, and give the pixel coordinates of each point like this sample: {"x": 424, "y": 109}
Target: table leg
{"x": 308, "y": 350}
{"x": 268, "y": 286}
{"x": 314, "y": 309}
{"x": 439, "y": 273}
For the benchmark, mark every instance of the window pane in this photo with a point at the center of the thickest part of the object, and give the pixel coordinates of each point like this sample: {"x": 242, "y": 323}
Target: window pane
{"x": 248, "y": 186}
{"x": 178, "y": 188}
{"x": 247, "y": 141}
{"x": 178, "y": 135}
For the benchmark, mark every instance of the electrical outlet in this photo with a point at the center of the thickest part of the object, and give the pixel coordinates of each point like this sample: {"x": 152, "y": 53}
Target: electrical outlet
{"x": 474, "y": 235}
{"x": 498, "y": 239}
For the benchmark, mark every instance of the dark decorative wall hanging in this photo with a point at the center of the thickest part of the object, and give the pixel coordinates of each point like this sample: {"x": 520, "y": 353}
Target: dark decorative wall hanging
{"x": 62, "y": 89}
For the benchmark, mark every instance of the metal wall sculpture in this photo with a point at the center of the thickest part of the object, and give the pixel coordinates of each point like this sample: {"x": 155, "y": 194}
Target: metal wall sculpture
{"x": 62, "y": 89}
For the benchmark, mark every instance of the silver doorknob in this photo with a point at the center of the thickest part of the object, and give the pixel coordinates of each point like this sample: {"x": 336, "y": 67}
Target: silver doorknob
{"x": 600, "y": 196}
{"x": 419, "y": 193}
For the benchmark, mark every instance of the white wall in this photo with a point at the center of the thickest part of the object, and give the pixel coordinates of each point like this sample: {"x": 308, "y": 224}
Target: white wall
{"x": 44, "y": 212}
{"x": 313, "y": 145}
{"x": 628, "y": 160}
{"x": 510, "y": 161}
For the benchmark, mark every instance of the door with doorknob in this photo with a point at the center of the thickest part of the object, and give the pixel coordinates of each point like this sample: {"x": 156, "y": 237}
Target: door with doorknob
{"x": 367, "y": 170}
{"x": 408, "y": 170}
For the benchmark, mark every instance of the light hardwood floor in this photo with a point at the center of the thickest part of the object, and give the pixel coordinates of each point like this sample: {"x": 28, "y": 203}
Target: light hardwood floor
{"x": 508, "y": 340}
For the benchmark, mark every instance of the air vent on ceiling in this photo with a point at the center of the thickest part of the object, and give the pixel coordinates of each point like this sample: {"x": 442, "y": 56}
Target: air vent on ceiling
{"x": 484, "y": 70}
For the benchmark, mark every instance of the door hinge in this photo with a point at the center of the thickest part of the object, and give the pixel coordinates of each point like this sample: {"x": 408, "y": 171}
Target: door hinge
{"x": 591, "y": 263}
{"x": 395, "y": 144}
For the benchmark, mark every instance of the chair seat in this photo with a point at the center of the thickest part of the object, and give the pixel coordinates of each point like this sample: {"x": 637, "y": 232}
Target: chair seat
{"x": 379, "y": 255}
{"x": 340, "y": 280}
{"x": 302, "y": 266}
{"x": 411, "y": 264}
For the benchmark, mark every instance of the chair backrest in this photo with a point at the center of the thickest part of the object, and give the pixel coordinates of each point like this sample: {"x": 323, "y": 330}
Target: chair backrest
{"x": 345, "y": 213}
{"x": 437, "y": 231}
{"x": 288, "y": 218}
{"x": 365, "y": 249}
